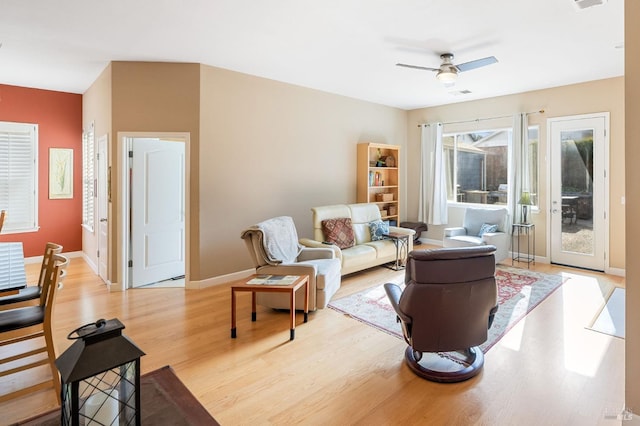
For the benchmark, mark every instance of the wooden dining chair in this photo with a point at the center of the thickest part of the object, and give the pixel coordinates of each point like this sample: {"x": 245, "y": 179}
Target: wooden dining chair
{"x": 3, "y": 213}
{"x": 30, "y": 295}
{"x": 31, "y": 322}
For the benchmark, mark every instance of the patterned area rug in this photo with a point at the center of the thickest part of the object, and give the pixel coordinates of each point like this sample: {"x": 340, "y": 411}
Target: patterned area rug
{"x": 519, "y": 291}
{"x": 164, "y": 400}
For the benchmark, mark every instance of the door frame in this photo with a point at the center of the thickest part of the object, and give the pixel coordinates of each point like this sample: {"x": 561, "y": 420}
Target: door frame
{"x": 606, "y": 183}
{"x": 124, "y": 186}
{"x": 102, "y": 205}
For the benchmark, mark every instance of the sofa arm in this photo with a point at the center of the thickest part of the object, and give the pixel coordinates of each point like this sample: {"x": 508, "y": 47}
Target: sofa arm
{"x": 308, "y": 242}
{"x": 455, "y": 232}
{"x": 316, "y": 253}
{"x": 402, "y": 231}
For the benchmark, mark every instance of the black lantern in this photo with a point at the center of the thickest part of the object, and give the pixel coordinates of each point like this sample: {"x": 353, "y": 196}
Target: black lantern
{"x": 100, "y": 375}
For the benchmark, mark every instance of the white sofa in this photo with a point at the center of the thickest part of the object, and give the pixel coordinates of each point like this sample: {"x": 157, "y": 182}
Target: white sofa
{"x": 365, "y": 253}
{"x": 467, "y": 234}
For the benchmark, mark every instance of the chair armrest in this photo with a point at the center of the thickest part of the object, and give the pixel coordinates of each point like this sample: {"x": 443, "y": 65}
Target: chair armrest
{"x": 393, "y": 293}
{"x": 289, "y": 269}
{"x": 495, "y": 238}
{"x": 308, "y": 242}
{"x": 316, "y": 253}
{"x": 454, "y": 232}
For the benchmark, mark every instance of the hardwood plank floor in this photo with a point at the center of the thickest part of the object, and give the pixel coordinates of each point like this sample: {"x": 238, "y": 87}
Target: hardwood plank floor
{"x": 549, "y": 369}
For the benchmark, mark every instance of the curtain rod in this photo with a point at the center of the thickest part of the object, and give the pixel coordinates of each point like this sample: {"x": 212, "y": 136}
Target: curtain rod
{"x": 541, "y": 111}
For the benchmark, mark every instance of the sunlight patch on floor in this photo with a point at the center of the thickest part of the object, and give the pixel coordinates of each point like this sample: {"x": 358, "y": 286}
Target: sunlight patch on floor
{"x": 582, "y": 297}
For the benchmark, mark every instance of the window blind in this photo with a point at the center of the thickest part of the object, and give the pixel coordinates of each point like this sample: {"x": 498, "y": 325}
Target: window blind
{"x": 88, "y": 186}
{"x": 19, "y": 176}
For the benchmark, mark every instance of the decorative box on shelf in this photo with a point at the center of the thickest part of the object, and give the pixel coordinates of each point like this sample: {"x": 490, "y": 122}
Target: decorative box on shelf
{"x": 393, "y": 210}
{"x": 383, "y": 213}
{"x": 384, "y": 197}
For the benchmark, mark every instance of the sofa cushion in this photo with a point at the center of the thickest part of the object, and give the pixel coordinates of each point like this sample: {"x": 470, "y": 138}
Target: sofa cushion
{"x": 358, "y": 257}
{"x": 339, "y": 232}
{"x": 378, "y": 230}
{"x": 327, "y": 212}
{"x": 361, "y": 216}
{"x": 384, "y": 248}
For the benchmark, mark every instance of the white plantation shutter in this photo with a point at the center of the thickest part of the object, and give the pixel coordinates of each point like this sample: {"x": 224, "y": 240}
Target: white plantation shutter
{"x": 88, "y": 155}
{"x": 19, "y": 176}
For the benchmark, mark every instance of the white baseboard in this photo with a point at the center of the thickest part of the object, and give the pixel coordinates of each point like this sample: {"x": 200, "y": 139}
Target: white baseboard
{"x": 92, "y": 265}
{"x": 38, "y": 259}
{"x": 429, "y": 241}
{"x": 616, "y": 271}
{"x": 209, "y": 282}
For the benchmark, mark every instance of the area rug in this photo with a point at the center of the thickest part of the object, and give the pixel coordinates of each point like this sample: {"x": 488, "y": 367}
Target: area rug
{"x": 519, "y": 291}
{"x": 164, "y": 400}
{"x": 610, "y": 319}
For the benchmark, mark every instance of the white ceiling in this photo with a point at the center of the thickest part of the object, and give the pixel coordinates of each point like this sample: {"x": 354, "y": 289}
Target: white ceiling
{"x": 347, "y": 47}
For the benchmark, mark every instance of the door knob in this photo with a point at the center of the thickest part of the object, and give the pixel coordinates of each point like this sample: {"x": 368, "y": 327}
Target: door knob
{"x": 103, "y": 219}
{"x": 554, "y": 211}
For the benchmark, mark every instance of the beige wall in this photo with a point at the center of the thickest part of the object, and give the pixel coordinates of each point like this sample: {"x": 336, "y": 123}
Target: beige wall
{"x": 632, "y": 103}
{"x": 592, "y": 97}
{"x": 143, "y": 97}
{"x": 156, "y": 97}
{"x": 270, "y": 148}
{"x": 259, "y": 148}
{"x": 96, "y": 108}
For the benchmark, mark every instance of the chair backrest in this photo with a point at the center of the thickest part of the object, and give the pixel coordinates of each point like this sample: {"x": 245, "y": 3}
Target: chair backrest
{"x": 3, "y": 213}
{"x": 448, "y": 296}
{"x": 475, "y": 217}
{"x": 47, "y": 260}
{"x": 52, "y": 282}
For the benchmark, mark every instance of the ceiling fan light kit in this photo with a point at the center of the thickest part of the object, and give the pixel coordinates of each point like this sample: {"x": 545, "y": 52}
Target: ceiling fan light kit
{"x": 447, "y": 77}
{"x": 447, "y": 73}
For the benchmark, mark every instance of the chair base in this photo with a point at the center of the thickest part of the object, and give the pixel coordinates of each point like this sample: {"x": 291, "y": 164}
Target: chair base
{"x": 440, "y": 367}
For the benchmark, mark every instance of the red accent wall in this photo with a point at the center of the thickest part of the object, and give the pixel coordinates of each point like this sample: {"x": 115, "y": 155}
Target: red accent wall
{"x": 59, "y": 119}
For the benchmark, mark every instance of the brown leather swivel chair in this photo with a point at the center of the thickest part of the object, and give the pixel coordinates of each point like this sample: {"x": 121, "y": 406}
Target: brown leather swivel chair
{"x": 446, "y": 309}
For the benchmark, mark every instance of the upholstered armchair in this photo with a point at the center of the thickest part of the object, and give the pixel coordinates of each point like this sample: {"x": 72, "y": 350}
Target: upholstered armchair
{"x": 274, "y": 249}
{"x": 481, "y": 227}
{"x": 445, "y": 310}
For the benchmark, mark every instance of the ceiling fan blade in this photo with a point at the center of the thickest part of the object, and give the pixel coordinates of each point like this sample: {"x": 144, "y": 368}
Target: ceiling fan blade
{"x": 418, "y": 67}
{"x": 477, "y": 63}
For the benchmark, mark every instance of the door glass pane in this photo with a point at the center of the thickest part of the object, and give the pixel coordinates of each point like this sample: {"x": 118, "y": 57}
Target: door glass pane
{"x": 577, "y": 191}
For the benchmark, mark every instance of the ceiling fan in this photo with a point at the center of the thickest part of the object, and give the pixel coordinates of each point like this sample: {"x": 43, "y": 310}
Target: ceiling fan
{"x": 448, "y": 72}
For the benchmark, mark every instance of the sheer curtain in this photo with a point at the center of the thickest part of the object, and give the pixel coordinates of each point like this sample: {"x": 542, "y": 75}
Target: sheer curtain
{"x": 432, "y": 205}
{"x": 520, "y": 175}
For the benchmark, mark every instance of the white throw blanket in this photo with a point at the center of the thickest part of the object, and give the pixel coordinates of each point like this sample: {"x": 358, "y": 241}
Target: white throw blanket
{"x": 279, "y": 239}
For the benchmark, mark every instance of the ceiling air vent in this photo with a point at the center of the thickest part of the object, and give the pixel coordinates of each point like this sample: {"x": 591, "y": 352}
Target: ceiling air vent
{"x": 583, "y": 4}
{"x": 459, "y": 92}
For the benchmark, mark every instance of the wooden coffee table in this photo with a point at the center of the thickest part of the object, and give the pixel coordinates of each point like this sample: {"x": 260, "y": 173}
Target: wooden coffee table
{"x": 243, "y": 285}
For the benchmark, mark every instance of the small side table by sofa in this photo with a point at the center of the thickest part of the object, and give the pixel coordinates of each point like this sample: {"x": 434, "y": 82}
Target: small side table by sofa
{"x": 401, "y": 242}
{"x": 523, "y": 229}
{"x": 244, "y": 285}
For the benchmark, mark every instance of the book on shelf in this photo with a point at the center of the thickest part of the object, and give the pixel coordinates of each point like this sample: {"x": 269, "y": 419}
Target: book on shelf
{"x": 274, "y": 279}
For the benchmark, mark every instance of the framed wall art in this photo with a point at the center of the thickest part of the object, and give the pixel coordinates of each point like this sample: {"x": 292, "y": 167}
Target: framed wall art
{"x": 60, "y": 173}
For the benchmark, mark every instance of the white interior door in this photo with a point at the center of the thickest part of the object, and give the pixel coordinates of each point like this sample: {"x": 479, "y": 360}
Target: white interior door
{"x": 102, "y": 201}
{"x": 157, "y": 211}
{"x": 578, "y": 182}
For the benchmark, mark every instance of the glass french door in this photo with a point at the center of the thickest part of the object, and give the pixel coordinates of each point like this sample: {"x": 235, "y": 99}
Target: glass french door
{"x": 578, "y": 224}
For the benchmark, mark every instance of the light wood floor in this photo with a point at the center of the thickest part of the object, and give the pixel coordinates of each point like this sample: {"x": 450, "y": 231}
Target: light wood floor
{"x": 547, "y": 370}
